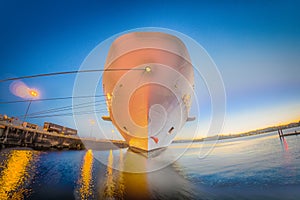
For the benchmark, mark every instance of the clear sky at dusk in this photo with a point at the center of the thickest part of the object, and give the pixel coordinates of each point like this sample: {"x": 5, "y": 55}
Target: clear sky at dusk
{"x": 255, "y": 45}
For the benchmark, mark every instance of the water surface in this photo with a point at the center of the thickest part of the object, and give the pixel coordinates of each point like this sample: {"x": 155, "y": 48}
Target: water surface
{"x": 253, "y": 167}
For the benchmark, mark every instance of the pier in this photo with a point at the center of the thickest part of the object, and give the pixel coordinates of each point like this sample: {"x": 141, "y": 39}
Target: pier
{"x": 12, "y": 135}
{"x": 282, "y": 135}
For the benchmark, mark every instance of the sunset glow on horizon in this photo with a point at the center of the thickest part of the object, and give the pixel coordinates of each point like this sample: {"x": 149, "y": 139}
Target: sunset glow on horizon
{"x": 255, "y": 47}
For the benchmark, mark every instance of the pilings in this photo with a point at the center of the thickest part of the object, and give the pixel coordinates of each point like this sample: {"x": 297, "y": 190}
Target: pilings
{"x": 12, "y": 135}
{"x": 281, "y": 135}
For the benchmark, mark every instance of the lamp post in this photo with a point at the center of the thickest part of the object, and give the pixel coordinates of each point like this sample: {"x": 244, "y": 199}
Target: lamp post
{"x": 92, "y": 122}
{"x": 33, "y": 94}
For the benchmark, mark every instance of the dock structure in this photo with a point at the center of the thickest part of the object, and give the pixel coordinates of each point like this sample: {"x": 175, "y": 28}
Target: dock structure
{"x": 12, "y": 135}
{"x": 282, "y": 135}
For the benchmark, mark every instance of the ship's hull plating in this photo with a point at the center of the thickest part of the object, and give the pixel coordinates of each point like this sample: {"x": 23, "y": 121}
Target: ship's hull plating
{"x": 148, "y": 88}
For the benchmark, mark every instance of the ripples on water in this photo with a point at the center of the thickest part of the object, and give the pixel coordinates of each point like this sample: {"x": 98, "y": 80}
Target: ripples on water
{"x": 254, "y": 167}
{"x": 16, "y": 172}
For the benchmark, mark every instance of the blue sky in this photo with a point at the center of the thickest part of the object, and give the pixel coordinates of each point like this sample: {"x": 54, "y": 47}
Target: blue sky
{"x": 255, "y": 45}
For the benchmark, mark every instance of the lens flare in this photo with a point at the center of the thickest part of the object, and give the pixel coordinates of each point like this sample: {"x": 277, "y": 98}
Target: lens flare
{"x": 20, "y": 89}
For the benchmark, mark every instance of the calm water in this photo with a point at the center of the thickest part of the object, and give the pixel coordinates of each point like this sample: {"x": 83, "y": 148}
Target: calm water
{"x": 255, "y": 167}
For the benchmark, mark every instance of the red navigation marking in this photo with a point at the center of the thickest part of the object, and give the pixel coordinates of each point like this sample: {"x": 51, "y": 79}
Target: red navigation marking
{"x": 155, "y": 139}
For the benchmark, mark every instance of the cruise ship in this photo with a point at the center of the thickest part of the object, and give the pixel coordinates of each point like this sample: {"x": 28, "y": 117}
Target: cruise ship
{"x": 148, "y": 82}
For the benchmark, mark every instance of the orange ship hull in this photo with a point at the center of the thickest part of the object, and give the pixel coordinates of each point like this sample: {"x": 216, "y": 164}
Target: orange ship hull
{"x": 148, "y": 84}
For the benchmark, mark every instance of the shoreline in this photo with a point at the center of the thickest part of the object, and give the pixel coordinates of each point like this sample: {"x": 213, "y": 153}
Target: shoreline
{"x": 244, "y": 134}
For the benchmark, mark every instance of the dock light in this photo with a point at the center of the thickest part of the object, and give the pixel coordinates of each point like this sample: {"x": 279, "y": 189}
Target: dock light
{"x": 148, "y": 69}
{"x": 92, "y": 122}
{"x": 112, "y": 135}
{"x": 33, "y": 93}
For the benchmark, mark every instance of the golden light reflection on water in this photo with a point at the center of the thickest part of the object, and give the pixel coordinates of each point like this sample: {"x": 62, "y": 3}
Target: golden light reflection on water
{"x": 121, "y": 186}
{"x": 86, "y": 176}
{"x": 124, "y": 185}
{"x": 14, "y": 175}
{"x": 110, "y": 185}
{"x": 136, "y": 184}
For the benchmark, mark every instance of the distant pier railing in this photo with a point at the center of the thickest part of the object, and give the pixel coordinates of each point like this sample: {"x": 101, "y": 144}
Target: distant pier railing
{"x": 12, "y": 135}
